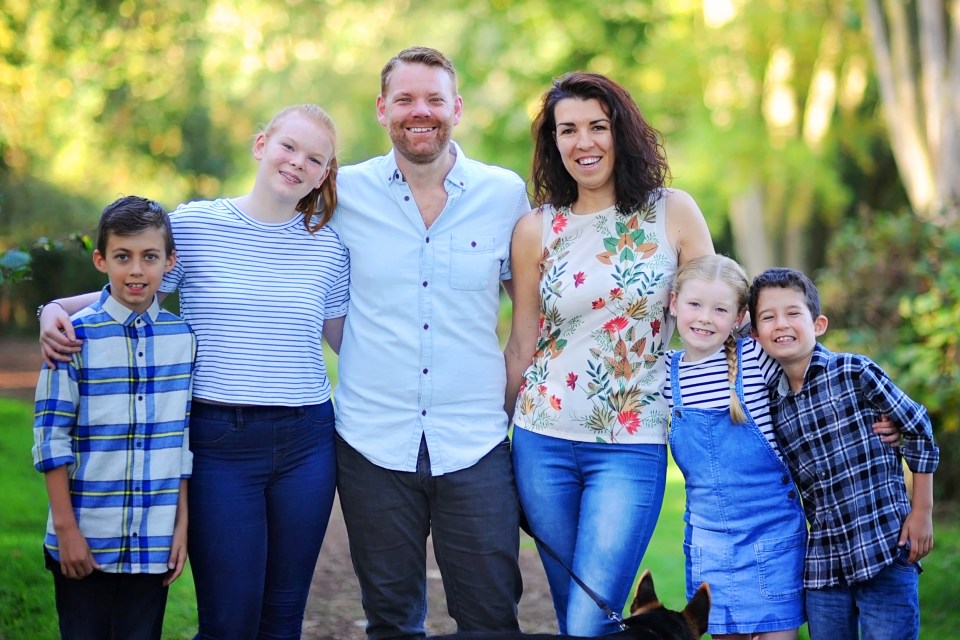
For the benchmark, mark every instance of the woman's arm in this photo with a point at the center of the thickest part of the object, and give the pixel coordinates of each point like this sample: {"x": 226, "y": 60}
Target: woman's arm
{"x": 525, "y": 254}
{"x": 686, "y": 227}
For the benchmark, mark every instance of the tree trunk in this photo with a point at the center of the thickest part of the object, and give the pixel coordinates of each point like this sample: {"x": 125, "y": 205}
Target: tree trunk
{"x": 922, "y": 114}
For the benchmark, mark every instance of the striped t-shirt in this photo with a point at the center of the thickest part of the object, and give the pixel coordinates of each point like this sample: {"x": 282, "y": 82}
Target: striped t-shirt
{"x": 256, "y": 295}
{"x": 116, "y": 417}
{"x": 705, "y": 384}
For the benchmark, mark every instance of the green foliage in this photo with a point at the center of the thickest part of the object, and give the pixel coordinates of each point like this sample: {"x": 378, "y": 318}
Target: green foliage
{"x": 47, "y": 269}
{"x": 891, "y": 289}
{"x": 14, "y": 266}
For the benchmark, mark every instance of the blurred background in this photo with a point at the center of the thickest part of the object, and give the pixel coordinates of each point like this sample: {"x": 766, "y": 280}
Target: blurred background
{"x": 817, "y": 134}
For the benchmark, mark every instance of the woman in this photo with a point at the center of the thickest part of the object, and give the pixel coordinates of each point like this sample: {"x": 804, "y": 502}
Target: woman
{"x": 261, "y": 279}
{"x": 592, "y": 270}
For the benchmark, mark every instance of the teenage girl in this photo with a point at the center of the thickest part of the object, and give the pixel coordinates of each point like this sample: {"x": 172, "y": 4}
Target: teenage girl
{"x": 745, "y": 533}
{"x": 261, "y": 279}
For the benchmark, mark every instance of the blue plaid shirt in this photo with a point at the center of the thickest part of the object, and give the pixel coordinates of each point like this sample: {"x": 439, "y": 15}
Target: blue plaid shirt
{"x": 116, "y": 415}
{"x": 852, "y": 484}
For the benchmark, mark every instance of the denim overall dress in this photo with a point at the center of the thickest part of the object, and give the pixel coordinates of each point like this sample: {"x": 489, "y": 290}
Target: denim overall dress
{"x": 745, "y": 533}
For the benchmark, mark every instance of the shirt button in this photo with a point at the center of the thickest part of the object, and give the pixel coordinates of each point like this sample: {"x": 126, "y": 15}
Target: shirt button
{"x": 426, "y": 326}
{"x": 424, "y": 283}
{"x": 677, "y": 414}
{"x": 406, "y": 198}
{"x": 428, "y": 239}
{"x": 139, "y": 444}
{"x": 785, "y": 480}
{"x": 425, "y": 371}
{"x": 473, "y": 243}
{"x": 139, "y": 397}
{"x": 140, "y": 354}
{"x": 792, "y": 495}
{"x": 424, "y": 412}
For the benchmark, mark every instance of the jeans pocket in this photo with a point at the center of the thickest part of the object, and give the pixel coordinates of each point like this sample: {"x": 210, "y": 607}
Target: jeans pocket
{"x": 319, "y": 414}
{"x": 205, "y": 432}
{"x": 780, "y": 565}
{"x": 902, "y": 563}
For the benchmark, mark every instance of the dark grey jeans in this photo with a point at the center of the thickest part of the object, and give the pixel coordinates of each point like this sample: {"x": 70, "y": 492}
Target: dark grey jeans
{"x": 472, "y": 516}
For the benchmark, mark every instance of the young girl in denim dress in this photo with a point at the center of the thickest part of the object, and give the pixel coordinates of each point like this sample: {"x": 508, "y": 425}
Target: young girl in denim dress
{"x": 745, "y": 533}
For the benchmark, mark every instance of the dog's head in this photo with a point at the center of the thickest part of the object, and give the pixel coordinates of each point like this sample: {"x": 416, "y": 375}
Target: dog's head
{"x": 656, "y": 621}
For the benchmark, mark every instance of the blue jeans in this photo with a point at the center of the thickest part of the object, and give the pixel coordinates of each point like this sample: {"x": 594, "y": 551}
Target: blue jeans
{"x": 472, "y": 516}
{"x": 887, "y": 606}
{"x": 109, "y": 605}
{"x": 596, "y": 505}
{"x": 260, "y": 499}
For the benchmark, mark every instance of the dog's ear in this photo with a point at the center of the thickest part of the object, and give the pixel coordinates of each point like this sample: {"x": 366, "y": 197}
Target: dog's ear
{"x": 646, "y": 598}
{"x": 697, "y": 611}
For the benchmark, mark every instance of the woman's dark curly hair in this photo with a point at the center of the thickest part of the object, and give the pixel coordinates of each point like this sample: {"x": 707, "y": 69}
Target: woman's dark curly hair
{"x": 641, "y": 163}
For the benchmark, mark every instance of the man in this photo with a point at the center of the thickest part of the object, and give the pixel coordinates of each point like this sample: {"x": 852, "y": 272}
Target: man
{"x": 422, "y": 442}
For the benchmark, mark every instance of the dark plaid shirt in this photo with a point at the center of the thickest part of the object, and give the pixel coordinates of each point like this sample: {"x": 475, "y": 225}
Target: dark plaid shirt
{"x": 852, "y": 484}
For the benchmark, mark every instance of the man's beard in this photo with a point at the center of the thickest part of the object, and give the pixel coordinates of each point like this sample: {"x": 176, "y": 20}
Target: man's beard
{"x": 422, "y": 153}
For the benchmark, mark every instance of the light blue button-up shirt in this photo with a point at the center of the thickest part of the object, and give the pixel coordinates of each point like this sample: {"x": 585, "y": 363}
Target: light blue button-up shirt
{"x": 420, "y": 354}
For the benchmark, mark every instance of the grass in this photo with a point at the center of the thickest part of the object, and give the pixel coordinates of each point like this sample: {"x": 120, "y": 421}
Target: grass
{"x": 26, "y": 591}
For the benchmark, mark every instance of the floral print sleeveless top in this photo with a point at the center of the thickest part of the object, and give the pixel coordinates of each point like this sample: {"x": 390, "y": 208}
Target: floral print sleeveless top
{"x": 599, "y": 368}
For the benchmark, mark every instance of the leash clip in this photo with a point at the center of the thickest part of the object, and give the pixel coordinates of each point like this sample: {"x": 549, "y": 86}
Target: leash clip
{"x": 615, "y": 617}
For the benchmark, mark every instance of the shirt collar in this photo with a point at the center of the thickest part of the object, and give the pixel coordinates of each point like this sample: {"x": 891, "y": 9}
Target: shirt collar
{"x": 818, "y": 360}
{"x": 124, "y": 315}
{"x": 456, "y": 177}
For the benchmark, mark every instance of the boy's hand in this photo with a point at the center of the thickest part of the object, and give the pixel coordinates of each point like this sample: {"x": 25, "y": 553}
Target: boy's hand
{"x": 178, "y": 547}
{"x": 178, "y": 557}
{"x": 76, "y": 561}
{"x": 58, "y": 342}
{"x": 889, "y": 433}
{"x": 918, "y": 531}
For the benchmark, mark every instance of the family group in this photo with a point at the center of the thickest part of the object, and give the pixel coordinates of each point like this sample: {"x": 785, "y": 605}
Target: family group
{"x": 217, "y": 433}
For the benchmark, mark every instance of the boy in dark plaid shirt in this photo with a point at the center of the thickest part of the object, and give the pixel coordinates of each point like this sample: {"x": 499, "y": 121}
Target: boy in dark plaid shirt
{"x": 866, "y": 538}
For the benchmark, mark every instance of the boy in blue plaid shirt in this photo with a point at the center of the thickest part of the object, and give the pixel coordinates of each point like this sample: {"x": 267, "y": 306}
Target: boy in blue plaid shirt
{"x": 866, "y": 534}
{"x": 111, "y": 438}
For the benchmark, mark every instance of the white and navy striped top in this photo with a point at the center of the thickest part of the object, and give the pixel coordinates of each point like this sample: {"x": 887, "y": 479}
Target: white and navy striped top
{"x": 256, "y": 295}
{"x": 705, "y": 384}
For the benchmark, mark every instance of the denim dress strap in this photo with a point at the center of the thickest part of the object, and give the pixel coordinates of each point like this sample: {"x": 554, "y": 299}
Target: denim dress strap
{"x": 675, "y": 379}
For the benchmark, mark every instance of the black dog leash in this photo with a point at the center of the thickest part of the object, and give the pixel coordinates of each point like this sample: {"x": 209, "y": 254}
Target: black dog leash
{"x": 612, "y": 615}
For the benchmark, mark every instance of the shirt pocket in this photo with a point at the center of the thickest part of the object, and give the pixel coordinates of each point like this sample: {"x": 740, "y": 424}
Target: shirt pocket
{"x": 472, "y": 261}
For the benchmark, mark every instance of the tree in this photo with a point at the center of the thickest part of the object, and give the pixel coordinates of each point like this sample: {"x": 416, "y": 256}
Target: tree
{"x": 916, "y": 46}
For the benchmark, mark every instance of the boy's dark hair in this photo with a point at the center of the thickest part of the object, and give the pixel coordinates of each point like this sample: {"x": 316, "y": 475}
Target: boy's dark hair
{"x": 782, "y": 278}
{"x": 130, "y": 215}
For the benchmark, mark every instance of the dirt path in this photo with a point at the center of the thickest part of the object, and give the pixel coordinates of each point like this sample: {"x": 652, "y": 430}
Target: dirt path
{"x": 333, "y": 611}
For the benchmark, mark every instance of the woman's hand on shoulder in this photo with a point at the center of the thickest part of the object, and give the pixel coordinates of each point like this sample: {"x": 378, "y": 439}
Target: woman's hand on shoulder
{"x": 58, "y": 342}
{"x": 686, "y": 227}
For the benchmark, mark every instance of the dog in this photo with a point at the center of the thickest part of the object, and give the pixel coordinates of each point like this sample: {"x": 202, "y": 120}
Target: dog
{"x": 649, "y": 620}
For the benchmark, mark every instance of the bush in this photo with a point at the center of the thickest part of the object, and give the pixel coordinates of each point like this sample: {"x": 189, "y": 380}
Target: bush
{"x": 45, "y": 270}
{"x": 891, "y": 289}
